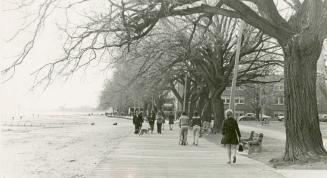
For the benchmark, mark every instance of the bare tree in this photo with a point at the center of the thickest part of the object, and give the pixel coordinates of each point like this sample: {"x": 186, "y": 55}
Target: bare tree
{"x": 300, "y": 34}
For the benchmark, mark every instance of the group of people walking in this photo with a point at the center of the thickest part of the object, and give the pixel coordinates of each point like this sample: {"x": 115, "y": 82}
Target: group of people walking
{"x": 185, "y": 123}
{"x": 231, "y": 135}
{"x": 230, "y": 130}
{"x": 159, "y": 118}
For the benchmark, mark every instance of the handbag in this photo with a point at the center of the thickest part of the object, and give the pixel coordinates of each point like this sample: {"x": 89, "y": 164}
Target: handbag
{"x": 240, "y": 148}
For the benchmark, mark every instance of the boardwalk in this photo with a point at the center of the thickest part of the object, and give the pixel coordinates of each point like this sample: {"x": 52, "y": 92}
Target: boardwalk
{"x": 159, "y": 156}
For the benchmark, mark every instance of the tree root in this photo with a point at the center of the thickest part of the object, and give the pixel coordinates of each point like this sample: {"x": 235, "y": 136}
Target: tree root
{"x": 282, "y": 163}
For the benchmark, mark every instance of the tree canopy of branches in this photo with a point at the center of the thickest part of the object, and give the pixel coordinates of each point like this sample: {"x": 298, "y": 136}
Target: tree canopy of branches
{"x": 300, "y": 33}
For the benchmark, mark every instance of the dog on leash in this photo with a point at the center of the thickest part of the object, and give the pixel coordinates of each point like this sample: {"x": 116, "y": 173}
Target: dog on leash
{"x": 144, "y": 131}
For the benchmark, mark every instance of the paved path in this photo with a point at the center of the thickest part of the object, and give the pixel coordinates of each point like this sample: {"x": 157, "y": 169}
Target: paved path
{"x": 158, "y": 156}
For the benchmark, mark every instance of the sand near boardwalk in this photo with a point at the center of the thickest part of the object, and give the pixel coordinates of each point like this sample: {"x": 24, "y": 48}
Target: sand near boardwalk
{"x": 58, "y": 146}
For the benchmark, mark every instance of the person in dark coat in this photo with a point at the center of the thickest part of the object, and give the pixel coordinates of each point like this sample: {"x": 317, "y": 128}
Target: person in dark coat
{"x": 171, "y": 120}
{"x": 135, "y": 122}
{"x": 231, "y": 135}
{"x": 196, "y": 125}
{"x": 140, "y": 120}
{"x": 160, "y": 119}
{"x": 151, "y": 119}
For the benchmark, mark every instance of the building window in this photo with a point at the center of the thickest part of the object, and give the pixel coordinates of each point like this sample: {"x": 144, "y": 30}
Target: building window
{"x": 242, "y": 100}
{"x": 226, "y": 100}
{"x": 239, "y": 100}
{"x": 279, "y": 100}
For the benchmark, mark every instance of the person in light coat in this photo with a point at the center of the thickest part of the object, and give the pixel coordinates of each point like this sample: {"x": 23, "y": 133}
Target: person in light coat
{"x": 184, "y": 125}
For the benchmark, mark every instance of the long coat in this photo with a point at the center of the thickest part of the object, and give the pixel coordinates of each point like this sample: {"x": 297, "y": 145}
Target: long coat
{"x": 135, "y": 121}
{"x": 230, "y": 132}
{"x": 152, "y": 118}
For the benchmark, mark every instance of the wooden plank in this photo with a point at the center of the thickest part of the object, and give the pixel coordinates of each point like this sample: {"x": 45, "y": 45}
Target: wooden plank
{"x": 159, "y": 156}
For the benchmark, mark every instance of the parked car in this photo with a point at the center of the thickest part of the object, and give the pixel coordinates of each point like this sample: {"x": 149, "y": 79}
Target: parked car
{"x": 264, "y": 117}
{"x": 247, "y": 117}
{"x": 323, "y": 118}
{"x": 281, "y": 118}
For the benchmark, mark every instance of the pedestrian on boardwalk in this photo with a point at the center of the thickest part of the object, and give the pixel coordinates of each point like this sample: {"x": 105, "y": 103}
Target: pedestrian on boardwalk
{"x": 171, "y": 120}
{"x": 163, "y": 122}
{"x": 151, "y": 120}
{"x": 135, "y": 122}
{"x": 184, "y": 125}
{"x": 196, "y": 125}
{"x": 160, "y": 120}
{"x": 140, "y": 120}
{"x": 230, "y": 132}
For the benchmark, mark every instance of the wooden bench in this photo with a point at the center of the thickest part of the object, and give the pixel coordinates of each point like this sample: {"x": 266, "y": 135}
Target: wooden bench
{"x": 253, "y": 143}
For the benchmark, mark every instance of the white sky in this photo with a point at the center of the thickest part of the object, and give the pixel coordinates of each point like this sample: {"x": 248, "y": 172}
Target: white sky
{"x": 83, "y": 89}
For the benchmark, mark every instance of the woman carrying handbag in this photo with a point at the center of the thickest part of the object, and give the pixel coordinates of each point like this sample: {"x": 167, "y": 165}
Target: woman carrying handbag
{"x": 231, "y": 135}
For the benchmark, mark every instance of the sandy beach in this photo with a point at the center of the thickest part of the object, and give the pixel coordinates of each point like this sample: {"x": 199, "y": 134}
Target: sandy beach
{"x": 58, "y": 145}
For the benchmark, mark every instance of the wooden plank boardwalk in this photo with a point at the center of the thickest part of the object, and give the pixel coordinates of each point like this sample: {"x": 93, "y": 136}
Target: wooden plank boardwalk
{"x": 160, "y": 156}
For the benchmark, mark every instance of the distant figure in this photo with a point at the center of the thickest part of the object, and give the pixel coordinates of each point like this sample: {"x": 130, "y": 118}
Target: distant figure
{"x": 135, "y": 122}
{"x": 196, "y": 124}
{"x": 115, "y": 123}
{"x": 163, "y": 121}
{"x": 160, "y": 120}
{"x": 151, "y": 120}
{"x": 230, "y": 132}
{"x": 184, "y": 125}
{"x": 140, "y": 120}
{"x": 171, "y": 120}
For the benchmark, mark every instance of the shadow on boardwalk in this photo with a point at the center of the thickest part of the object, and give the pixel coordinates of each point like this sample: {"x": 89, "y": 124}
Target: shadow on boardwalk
{"x": 157, "y": 156}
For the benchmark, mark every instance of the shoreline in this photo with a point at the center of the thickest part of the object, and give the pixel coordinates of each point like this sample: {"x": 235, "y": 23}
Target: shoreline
{"x": 72, "y": 150}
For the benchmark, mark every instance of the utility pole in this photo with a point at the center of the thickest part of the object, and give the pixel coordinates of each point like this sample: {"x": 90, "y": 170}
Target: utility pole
{"x": 237, "y": 57}
{"x": 185, "y": 90}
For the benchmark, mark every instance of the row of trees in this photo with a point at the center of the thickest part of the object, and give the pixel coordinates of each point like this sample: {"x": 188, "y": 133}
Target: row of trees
{"x": 198, "y": 38}
{"x": 199, "y": 53}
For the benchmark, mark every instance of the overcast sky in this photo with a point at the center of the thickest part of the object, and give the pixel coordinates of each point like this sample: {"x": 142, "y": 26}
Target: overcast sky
{"x": 82, "y": 89}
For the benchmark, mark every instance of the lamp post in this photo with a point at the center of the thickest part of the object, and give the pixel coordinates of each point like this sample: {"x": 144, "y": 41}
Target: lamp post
{"x": 237, "y": 57}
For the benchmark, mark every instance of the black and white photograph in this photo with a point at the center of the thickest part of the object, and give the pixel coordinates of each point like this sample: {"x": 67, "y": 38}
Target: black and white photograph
{"x": 163, "y": 88}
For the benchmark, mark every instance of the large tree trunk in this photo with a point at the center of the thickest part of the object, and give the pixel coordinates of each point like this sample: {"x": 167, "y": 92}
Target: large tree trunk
{"x": 303, "y": 136}
{"x": 218, "y": 112}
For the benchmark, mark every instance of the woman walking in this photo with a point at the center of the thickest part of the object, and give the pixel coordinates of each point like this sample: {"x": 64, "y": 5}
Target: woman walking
{"x": 135, "y": 122}
{"x": 159, "y": 119}
{"x": 163, "y": 122}
{"x": 151, "y": 119}
{"x": 196, "y": 125}
{"x": 230, "y": 132}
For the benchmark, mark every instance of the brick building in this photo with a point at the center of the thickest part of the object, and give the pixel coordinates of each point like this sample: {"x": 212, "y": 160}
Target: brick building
{"x": 268, "y": 97}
